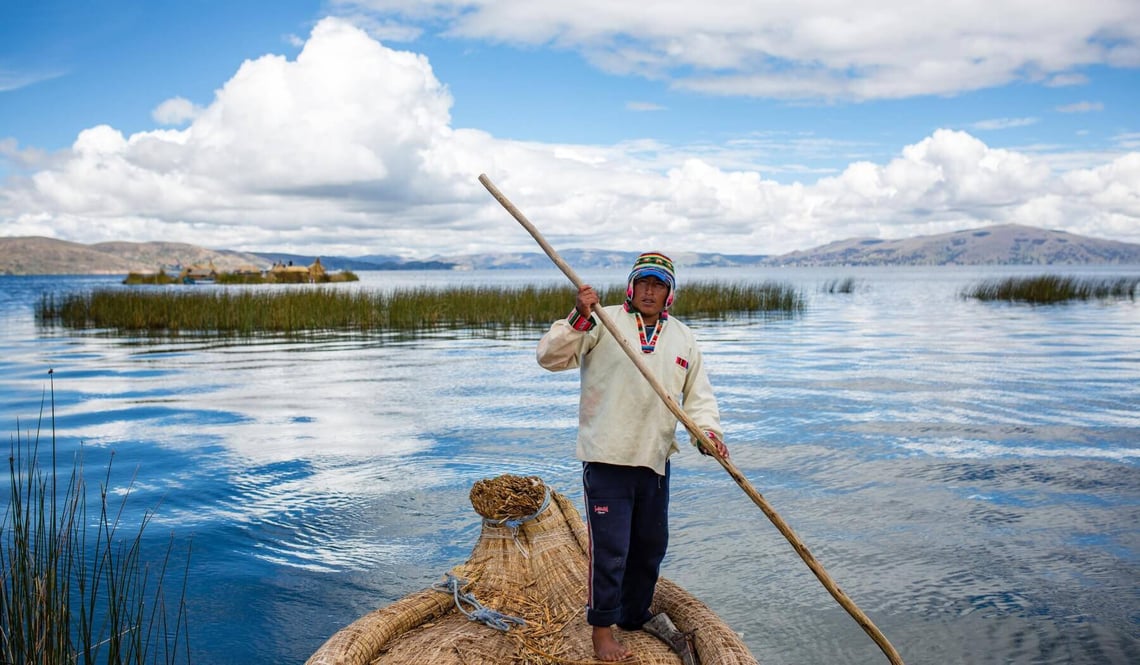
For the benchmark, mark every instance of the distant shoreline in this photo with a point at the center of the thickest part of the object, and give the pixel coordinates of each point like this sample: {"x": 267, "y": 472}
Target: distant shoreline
{"x": 1041, "y": 267}
{"x": 995, "y": 245}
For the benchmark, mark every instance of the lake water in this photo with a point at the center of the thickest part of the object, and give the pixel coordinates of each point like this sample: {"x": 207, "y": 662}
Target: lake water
{"x": 968, "y": 473}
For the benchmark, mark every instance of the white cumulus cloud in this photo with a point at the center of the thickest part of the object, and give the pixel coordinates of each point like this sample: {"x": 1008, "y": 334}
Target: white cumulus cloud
{"x": 349, "y": 149}
{"x": 175, "y": 111}
{"x": 830, "y": 49}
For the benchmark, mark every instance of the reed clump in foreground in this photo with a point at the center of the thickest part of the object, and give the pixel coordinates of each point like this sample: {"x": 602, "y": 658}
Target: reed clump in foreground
{"x": 248, "y": 312}
{"x": 1051, "y": 289}
{"x": 72, "y": 589}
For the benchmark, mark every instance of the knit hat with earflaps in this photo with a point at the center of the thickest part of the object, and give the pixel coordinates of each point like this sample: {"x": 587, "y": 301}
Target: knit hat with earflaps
{"x": 652, "y": 264}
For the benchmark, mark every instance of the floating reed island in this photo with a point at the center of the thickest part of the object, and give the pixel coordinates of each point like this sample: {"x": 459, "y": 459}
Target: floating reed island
{"x": 240, "y": 311}
{"x": 279, "y": 273}
{"x": 1051, "y": 289}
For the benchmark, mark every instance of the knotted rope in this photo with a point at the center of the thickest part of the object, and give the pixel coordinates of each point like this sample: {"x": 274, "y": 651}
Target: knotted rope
{"x": 492, "y": 618}
{"x": 510, "y": 501}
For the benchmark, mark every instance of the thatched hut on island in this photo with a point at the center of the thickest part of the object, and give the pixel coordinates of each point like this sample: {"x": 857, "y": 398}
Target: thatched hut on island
{"x": 317, "y": 271}
{"x": 287, "y": 273}
{"x": 198, "y": 273}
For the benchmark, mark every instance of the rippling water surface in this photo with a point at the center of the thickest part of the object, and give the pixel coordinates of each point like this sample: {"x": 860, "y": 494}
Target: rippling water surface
{"x": 968, "y": 473}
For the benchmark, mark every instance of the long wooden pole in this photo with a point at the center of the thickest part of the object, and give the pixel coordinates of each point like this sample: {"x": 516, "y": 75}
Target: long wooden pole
{"x": 862, "y": 619}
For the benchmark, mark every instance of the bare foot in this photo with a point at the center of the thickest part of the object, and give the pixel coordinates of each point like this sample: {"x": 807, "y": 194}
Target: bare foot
{"x": 606, "y": 647}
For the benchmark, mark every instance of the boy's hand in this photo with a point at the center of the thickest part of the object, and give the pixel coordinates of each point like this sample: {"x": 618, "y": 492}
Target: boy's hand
{"x": 585, "y": 301}
{"x": 721, "y": 449}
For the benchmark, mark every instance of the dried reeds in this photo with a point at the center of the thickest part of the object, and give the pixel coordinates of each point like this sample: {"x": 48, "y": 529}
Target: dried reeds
{"x": 536, "y": 570}
{"x": 508, "y": 497}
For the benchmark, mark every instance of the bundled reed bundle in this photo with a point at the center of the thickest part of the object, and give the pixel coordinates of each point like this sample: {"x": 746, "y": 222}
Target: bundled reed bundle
{"x": 529, "y": 568}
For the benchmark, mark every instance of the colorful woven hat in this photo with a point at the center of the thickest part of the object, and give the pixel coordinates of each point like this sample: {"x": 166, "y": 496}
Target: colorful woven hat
{"x": 652, "y": 264}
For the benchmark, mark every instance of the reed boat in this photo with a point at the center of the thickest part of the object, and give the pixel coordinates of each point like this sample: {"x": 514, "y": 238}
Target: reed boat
{"x": 520, "y": 599}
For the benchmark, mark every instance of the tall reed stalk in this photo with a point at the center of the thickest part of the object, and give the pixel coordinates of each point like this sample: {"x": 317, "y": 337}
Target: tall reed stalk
{"x": 837, "y": 285}
{"x": 73, "y": 591}
{"x": 240, "y": 311}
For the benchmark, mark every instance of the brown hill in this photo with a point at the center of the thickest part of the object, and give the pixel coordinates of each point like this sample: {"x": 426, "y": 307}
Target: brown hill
{"x": 48, "y": 256}
{"x": 993, "y": 245}
{"x": 1007, "y": 244}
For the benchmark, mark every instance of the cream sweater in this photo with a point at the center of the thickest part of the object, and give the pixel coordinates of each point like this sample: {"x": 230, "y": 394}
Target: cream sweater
{"x": 621, "y": 419}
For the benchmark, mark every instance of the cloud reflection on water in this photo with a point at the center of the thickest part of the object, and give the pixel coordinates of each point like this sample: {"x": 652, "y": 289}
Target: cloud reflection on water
{"x": 966, "y": 471}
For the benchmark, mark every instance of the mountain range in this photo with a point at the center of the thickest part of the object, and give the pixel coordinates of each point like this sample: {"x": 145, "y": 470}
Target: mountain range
{"x": 993, "y": 245}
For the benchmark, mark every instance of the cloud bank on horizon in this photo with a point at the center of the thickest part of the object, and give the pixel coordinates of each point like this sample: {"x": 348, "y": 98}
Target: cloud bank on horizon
{"x": 349, "y": 147}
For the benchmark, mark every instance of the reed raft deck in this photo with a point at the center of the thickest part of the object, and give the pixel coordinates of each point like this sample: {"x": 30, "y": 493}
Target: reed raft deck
{"x": 527, "y": 573}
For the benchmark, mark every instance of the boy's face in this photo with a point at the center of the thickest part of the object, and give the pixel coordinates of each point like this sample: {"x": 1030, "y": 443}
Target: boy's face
{"x": 649, "y": 294}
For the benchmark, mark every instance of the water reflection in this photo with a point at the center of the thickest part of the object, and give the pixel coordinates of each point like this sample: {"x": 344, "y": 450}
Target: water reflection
{"x": 966, "y": 471}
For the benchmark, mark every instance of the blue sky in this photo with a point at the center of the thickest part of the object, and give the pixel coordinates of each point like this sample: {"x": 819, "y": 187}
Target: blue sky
{"x": 746, "y": 127}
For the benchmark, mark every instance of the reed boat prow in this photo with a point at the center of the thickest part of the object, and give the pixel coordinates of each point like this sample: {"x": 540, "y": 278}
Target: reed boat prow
{"x": 520, "y": 598}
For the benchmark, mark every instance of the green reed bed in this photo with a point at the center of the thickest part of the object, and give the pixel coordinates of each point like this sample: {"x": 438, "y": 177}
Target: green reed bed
{"x": 246, "y": 312}
{"x": 1050, "y": 289}
{"x": 717, "y": 300}
{"x": 73, "y": 587}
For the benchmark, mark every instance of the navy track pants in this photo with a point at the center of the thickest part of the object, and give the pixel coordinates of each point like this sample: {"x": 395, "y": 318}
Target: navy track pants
{"x": 627, "y": 514}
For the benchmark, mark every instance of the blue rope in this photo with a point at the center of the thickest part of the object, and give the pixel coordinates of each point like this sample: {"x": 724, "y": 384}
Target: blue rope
{"x": 492, "y": 618}
{"x": 519, "y": 521}
{"x": 514, "y": 524}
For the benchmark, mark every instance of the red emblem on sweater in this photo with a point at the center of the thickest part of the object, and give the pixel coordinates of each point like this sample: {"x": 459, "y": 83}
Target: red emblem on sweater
{"x": 601, "y": 510}
{"x": 682, "y": 362}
